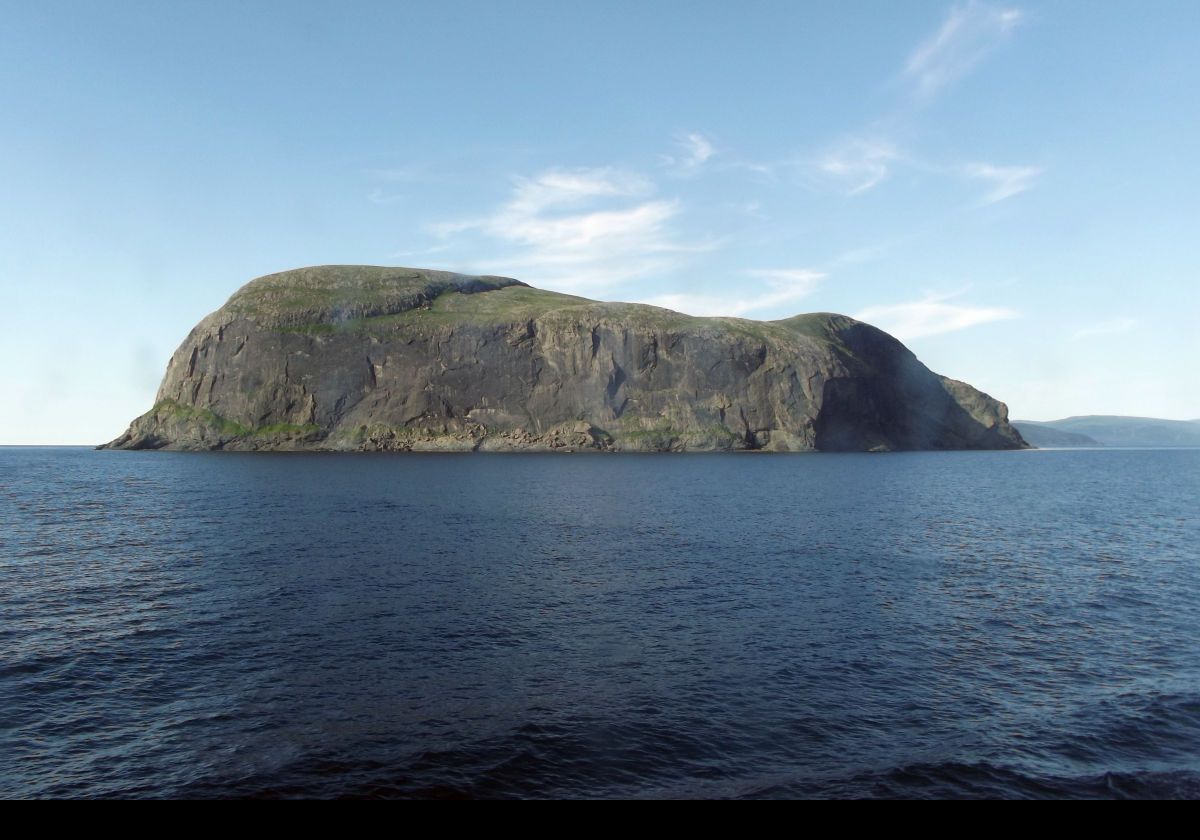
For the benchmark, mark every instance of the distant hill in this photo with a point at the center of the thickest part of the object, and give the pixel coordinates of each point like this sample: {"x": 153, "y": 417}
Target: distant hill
{"x": 1044, "y": 436}
{"x": 1112, "y": 430}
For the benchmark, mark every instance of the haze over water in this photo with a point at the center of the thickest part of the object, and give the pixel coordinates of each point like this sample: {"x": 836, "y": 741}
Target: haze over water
{"x": 927, "y": 624}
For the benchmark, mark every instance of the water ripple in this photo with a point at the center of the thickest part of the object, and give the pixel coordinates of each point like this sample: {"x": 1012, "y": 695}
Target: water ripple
{"x": 925, "y": 625}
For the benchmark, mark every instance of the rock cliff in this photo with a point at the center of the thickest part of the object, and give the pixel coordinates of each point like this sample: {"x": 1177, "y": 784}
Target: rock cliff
{"x": 372, "y": 358}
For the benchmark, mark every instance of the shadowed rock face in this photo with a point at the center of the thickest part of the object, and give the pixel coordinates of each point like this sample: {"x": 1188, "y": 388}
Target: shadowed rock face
{"x": 371, "y": 358}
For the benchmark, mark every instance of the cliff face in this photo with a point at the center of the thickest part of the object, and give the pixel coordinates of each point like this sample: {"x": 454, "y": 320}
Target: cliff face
{"x": 369, "y": 358}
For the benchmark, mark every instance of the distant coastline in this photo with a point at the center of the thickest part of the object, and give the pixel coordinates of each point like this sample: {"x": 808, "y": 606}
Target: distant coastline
{"x": 1110, "y": 430}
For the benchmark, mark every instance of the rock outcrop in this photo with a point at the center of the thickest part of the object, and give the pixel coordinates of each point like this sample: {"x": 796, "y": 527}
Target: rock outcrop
{"x": 371, "y": 358}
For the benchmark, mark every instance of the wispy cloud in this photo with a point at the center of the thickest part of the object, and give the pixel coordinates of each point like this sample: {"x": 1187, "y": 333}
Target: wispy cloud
{"x": 396, "y": 183}
{"x": 581, "y": 228}
{"x": 857, "y": 256}
{"x": 862, "y": 161}
{"x": 1006, "y": 181}
{"x": 931, "y": 315}
{"x": 399, "y": 174}
{"x": 778, "y": 287}
{"x": 420, "y": 252}
{"x": 967, "y": 34}
{"x": 856, "y": 165}
{"x": 753, "y": 209}
{"x": 378, "y": 196}
{"x": 1113, "y": 326}
{"x": 694, "y": 151}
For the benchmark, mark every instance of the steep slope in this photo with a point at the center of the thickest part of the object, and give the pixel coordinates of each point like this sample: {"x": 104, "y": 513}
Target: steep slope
{"x": 373, "y": 358}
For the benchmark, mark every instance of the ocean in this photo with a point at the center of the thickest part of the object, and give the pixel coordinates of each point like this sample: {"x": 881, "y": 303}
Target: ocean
{"x": 941, "y": 624}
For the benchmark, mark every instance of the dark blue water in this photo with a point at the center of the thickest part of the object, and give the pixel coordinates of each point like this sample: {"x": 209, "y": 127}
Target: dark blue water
{"x": 936, "y": 624}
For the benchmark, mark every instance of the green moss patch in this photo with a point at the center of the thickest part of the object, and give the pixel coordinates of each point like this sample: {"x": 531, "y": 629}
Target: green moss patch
{"x": 377, "y": 301}
{"x": 190, "y": 414}
{"x": 223, "y": 426}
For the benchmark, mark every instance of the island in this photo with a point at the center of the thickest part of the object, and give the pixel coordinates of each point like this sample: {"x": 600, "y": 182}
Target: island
{"x": 371, "y": 358}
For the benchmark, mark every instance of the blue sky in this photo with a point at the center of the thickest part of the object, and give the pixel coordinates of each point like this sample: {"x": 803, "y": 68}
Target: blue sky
{"x": 1012, "y": 189}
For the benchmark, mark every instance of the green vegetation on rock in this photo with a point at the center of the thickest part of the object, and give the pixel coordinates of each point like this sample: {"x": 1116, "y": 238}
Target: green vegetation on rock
{"x": 377, "y": 301}
{"x": 173, "y": 410}
{"x": 177, "y": 411}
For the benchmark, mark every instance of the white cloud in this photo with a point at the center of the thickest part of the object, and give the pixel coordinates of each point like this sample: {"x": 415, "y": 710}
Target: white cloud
{"x": 566, "y": 187}
{"x": 581, "y": 228}
{"x": 857, "y": 164}
{"x": 864, "y": 160}
{"x": 932, "y": 315}
{"x": 695, "y": 150}
{"x": 968, "y": 33}
{"x": 753, "y": 209}
{"x": 400, "y": 174}
{"x": 782, "y": 287}
{"x": 420, "y": 252}
{"x": 378, "y": 196}
{"x": 1006, "y": 181}
{"x": 765, "y": 170}
{"x": 1113, "y": 326}
{"x": 857, "y": 256}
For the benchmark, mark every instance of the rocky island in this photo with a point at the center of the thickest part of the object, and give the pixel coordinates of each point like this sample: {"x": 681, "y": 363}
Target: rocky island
{"x": 350, "y": 358}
